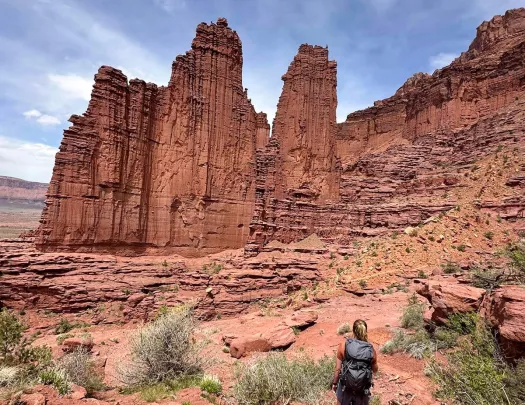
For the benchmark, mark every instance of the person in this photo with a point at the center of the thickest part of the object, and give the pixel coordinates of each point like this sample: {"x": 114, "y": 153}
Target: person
{"x": 356, "y": 361}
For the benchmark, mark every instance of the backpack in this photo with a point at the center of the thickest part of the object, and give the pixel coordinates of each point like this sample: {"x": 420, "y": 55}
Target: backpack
{"x": 356, "y": 372}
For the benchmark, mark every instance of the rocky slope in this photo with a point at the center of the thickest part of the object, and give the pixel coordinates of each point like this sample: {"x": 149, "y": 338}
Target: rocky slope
{"x": 20, "y": 191}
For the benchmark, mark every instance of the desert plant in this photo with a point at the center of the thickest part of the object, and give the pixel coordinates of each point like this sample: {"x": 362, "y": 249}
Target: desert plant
{"x": 80, "y": 369}
{"x": 15, "y": 349}
{"x": 450, "y": 268}
{"x": 474, "y": 374}
{"x": 8, "y": 376}
{"x": 375, "y": 400}
{"x": 211, "y": 384}
{"x": 276, "y": 379}
{"x": 489, "y": 235}
{"x": 462, "y": 248}
{"x": 363, "y": 283}
{"x": 515, "y": 383}
{"x": 417, "y": 345}
{"x": 56, "y": 377}
{"x": 344, "y": 328}
{"x": 412, "y": 317}
{"x": 63, "y": 326}
{"x": 164, "y": 349}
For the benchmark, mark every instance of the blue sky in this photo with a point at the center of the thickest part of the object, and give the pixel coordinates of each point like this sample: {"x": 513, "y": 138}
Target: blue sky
{"x": 50, "y": 50}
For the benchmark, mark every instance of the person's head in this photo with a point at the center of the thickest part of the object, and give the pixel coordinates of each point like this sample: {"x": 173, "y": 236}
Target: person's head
{"x": 360, "y": 330}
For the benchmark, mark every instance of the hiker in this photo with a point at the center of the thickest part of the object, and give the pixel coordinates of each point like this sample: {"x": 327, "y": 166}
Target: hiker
{"x": 356, "y": 360}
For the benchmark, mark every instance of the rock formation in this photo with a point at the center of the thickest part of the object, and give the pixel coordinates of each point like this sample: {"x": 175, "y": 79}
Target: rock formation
{"x": 170, "y": 168}
{"x": 190, "y": 168}
{"x": 402, "y": 157}
{"x": 20, "y": 191}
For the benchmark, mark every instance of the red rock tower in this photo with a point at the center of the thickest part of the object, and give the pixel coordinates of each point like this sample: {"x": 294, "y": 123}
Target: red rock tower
{"x": 305, "y": 127}
{"x": 169, "y": 168}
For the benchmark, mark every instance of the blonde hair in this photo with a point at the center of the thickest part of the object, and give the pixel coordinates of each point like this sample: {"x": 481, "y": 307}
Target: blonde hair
{"x": 360, "y": 330}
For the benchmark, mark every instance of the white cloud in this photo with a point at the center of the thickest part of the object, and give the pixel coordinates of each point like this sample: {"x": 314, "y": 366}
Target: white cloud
{"x": 73, "y": 85}
{"x": 32, "y": 114}
{"x": 26, "y": 160}
{"x": 42, "y": 119}
{"x": 442, "y": 59}
{"x": 170, "y": 5}
{"x": 48, "y": 120}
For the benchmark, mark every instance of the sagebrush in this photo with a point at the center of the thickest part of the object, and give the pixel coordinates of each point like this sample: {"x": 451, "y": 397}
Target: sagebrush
{"x": 276, "y": 379}
{"x": 165, "y": 350}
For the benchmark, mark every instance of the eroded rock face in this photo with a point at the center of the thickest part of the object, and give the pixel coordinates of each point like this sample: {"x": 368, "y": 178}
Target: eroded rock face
{"x": 401, "y": 157}
{"x": 168, "y": 168}
{"x": 505, "y": 310}
{"x": 190, "y": 168}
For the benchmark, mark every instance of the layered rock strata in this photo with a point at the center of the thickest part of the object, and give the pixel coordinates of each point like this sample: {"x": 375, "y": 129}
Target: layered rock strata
{"x": 74, "y": 282}
{"x": 168, "y": 168}
{"x": 401, "y": 159}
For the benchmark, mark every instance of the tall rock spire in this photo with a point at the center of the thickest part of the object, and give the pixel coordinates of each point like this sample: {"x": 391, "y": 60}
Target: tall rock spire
{"x": 305, "y": 126}
{"x": 169, "y": 168}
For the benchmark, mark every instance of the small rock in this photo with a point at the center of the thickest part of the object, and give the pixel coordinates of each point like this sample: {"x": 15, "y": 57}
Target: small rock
{"x": 411, "y": 231}
{"x": 77, "y": 392}
{"x": 441, "y": 238}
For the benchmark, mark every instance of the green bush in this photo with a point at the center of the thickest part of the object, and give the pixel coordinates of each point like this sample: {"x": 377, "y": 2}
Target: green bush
{"x": 417, "y": 345}
{"x": 211, "y": 384}
{"x": 450, "y": 268}
{"x": 489, "y": 235}
{"x": 514, "y": 382}
{"x": 165, "y": 350}
{"x": 516, "y": 254}
{"x": 15, "y": 349}
{"x": 474, "y": 373}
{"x": 57, "y": 378}
{"x": 412, "y": 317}
{"x": 80, "y": 369}
{"x": 275, "y": 379}
{"x": 63, "y": 326}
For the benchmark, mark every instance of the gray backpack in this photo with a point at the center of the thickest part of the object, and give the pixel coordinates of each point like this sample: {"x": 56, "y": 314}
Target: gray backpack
{"x": 356, "y": 373}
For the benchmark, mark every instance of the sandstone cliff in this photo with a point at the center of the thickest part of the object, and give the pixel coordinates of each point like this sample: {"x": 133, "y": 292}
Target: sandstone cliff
{"x": 190, "y": 168}
{"x": 404, "y": 159}
{"x": 170, "y": 168}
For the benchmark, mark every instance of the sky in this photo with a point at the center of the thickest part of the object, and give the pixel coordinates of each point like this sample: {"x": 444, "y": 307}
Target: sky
{"x": 51, "y": 49}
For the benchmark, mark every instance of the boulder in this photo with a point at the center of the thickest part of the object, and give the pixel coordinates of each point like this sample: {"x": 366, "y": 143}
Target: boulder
{"x": 241, "y": 346}
{"x": 72, "y": 344}
{"x": 505, "y": 310}
{"x": 301, "y": 319}
{"x": 77, "y": 392}
{"x": 280, "y": 336}
{"x": 32, "y": 399}
{"x": 449, "y": 297}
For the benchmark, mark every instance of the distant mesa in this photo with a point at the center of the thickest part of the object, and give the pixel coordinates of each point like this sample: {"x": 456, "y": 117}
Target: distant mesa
{"x": 191, "y": 168}
{"x": 15, "y": 191}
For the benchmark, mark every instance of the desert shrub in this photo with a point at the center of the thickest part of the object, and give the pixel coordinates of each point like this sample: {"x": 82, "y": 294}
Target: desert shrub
{"x": 344, "y": 328}
{"x": 412, "y": 317}
{"x": 375, "y": 400}
{"x": 154, "y": 393}
{"x": 8, "y": 376}
{"x": 514, "y": 382}
{"x": 211, "y": 384}
{"x": 474, "y": 374}
{"x": 450, "y": 268}
{"x": 57, "y": 378}
{"x": 15, "y": 349}
{"x": 489, "y": 235}
{"x": 164, "y": 350}
{"x": 416, "y": 345}
{"x": 516, "y": 254}
{"x": 157, "y": 391}
{"x": 80, "y": 369}
{"x": 488, "y": 279}
{"x": 275, "y": 379}
{"x": 63, "y": 326}
{"x": 463, "y": 324}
